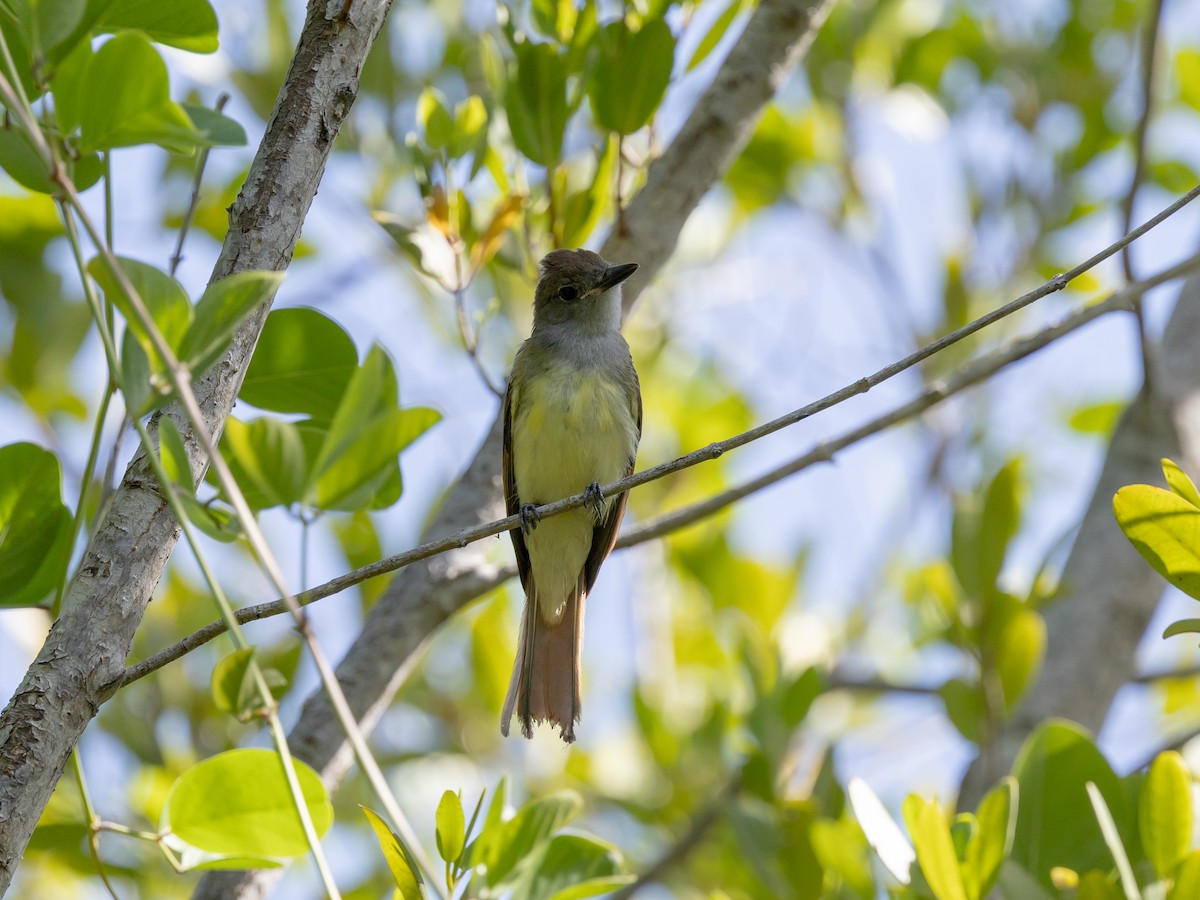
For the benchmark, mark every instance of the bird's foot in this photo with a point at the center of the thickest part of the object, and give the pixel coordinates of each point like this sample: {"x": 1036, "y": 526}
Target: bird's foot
{"x": 529, "y": 517}
{"x": 593, "y": 499}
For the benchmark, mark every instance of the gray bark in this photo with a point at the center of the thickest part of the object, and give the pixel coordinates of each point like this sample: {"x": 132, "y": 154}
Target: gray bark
{"x": 86, "y": 649}
{"x": 425, "y": 594}
{"x": 1109, "y": 592}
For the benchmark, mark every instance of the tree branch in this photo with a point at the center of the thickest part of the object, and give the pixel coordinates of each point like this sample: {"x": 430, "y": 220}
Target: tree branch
{"x": 85, "y": 651}
{"x": 672, "y": 521}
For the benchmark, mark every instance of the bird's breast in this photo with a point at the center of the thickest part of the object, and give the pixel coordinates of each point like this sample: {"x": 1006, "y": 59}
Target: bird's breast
{"x": 573, "y": 427}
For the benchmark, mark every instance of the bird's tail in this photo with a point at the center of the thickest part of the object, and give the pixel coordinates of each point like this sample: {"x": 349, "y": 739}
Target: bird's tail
{"x": 545, "y": 685}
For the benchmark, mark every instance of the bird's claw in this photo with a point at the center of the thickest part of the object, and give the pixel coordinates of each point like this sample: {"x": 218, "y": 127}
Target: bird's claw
{"x": 529, "y": 517}
{"x": 593, "y": 499}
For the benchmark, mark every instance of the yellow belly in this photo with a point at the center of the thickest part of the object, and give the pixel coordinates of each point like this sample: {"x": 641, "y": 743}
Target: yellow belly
{"x": 571, "y": 429}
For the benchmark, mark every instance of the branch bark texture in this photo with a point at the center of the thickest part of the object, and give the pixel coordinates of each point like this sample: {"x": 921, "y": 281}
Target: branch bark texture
{"x": 425, "y": 594}
{"x": 87, "y": 646}
{"x": 1109, "y": 592}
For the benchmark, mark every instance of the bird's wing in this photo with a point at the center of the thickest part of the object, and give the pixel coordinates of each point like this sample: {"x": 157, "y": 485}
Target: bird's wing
{"x": 512, "y": 502}
{"x": 604, "y": 535}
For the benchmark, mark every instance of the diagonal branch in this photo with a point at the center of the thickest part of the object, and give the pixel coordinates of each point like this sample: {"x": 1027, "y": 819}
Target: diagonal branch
{"x": 671, "y": 521}
{"x": 87, "y": 646}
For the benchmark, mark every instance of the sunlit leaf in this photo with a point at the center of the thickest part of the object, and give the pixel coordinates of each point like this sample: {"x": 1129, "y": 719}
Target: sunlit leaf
{"x": 1165, "y": 812}
{"x": 186, "y": 24}
{"x": 1165, "y": 529}
{"x": 238, "y": 802}
{"x": 301, "y": 364}
{"x": 233, "y": 688}
{"x": 1179, "y": 482}
{"x": 405, "y": 872}
{"x": 450, "y": 827}
{"x": 125, "y": 100}
{"x": 930, "y": 835}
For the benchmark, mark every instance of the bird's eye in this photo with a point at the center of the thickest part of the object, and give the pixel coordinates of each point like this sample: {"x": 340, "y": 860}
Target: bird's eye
{"x": 568, "y": 293}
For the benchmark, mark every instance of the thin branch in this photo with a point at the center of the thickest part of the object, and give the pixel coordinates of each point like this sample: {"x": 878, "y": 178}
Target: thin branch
{"x": 675, "y": 520}
{"x": 967, "y": 377}
{"x": 194, "y": 202}
{"x": 1149, "y": 56}
{"x": 687, "y": 842}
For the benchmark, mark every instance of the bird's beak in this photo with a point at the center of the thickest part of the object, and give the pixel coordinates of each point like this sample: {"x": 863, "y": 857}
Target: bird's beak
{"x": 614, "y": 275}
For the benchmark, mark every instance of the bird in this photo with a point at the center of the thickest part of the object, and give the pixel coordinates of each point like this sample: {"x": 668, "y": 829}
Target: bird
{"x": 572, "y": 422}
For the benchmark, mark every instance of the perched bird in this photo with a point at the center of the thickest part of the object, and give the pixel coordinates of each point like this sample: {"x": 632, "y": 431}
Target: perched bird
{"x": 572, "y": 421}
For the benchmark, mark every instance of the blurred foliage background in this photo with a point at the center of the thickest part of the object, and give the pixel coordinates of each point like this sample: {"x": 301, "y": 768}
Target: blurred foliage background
{"x": 880, "y": 617}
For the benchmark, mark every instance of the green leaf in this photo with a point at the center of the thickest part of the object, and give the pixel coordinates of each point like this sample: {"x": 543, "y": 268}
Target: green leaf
{"x": 41, "y": 24}
{"x": 964, "y": 707}
{"x": 1187, "y": 75}
{"x": 233, "y": 688}
{"x": 935, "y": 851}
{"x": 213, "y": 128}
{"x": 220, "y": 310}
{"x": 302, "y": 364}
{"x": 1018, "y": 654}
{"x": 713, "y": 37}
{"x": 136, "y": 374}
{"x": 186, "y": 24}
{"x": 998, "y": 524}
{"x": 1112, "y": 839}
{"x": 161, "y": 295}
{"x": 1179, "y": 482}
{"x": 1055, "y": 822}
{"x": 362, "y": 470}
{"x": 584, "y": 209}
{"x": 1165, "y": 529}
{"x": 470, "y": 128}
{"x": 238, "y": 802}
{"x": 35, "y": 525}
{"x": 631, "y": 75}
{"x": 593, "y": 887}
{"x": 881, "y": 830}
{"x": 450, "y": 826}
{"x": 572, "y": 866}
{"x": 1183, "y": 626}
{"x": 125, "y": 100}
{"x": 503, "y": 847}
{"x": 1165, "y": 812}
{"x": 1097, "y": 418}
{"x": 21, "y": 161}
{"x": 996, "y": 822}
{"x": 1187, "y": 880}
{"x": 434, "y": 120}
{"x": 268, "y": 461}
{"x": 404, "y": 871}
{"x": 535, "y": 101}
{"x": 370, "y": 391}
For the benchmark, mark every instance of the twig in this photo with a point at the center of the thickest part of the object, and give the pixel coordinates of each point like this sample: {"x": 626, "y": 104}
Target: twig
{"x": 93, "y": 825}
{"x": 1149, "y": 57}
{"x": 687, "y": 842}
{"x": 190, "y": 213}
{"x": 470, "y": 340}
{"x": 967, "y": 377}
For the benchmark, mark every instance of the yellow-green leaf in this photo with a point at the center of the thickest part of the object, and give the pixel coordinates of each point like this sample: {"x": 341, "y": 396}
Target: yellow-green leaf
{"x": 1165, "y": 812}
{"x": 1165, "y": 529}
